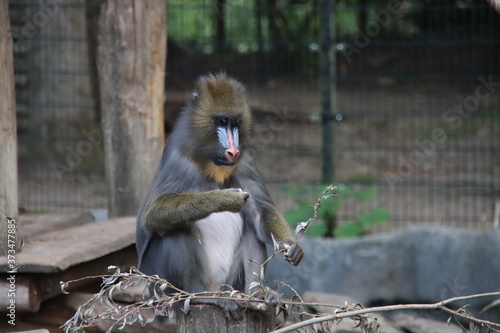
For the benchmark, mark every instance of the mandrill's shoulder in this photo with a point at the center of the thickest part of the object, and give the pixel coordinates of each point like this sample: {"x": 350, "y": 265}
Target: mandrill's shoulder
{"x": 177, "y": 173}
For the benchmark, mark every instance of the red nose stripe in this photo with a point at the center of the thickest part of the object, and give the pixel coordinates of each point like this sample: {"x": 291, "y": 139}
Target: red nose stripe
{"x": 232, "y": 153}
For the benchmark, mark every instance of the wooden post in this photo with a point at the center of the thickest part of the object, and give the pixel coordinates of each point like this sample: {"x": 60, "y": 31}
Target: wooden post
{"x": 27, "y": 296}
{"x": 211, "y": 318}
{"x": 8, "y": 138}
{"x": 131, "y": 64}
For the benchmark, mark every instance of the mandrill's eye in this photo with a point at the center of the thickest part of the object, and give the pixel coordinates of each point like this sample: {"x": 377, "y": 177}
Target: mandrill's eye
{"x": 222, "y": 121}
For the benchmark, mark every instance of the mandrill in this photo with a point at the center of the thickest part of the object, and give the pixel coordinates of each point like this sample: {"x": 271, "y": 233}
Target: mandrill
{"x": 206, "y": 217}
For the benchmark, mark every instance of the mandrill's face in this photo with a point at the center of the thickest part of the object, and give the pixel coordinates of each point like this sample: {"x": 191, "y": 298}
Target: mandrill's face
{"x": 227, "y": 129}
{"x": 221, "y": 123}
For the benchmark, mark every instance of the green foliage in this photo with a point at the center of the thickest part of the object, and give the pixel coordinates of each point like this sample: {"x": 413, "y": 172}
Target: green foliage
{"x": 192, "y": 25}
{"x": 326, "y": 225}
{"x": 362, "y": 223}
{"x": 296, "y": 26}
{"x": 277, "y": 30}
{"x": 492, "y": 114}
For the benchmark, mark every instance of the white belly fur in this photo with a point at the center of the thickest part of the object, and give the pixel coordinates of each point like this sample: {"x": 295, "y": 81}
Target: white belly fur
{"x": 219, "y": 236}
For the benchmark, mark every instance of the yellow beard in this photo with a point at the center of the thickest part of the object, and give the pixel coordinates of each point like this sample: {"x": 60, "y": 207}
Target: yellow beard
{"x": 218, "y": 173}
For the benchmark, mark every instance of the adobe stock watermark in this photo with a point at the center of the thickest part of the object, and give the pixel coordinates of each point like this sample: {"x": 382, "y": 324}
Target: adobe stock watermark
{"x": 76, "y": 154}
{"x": 46, "y": 10}
{"x": 395, "y": 9}
{"x": 93, "y": 138}
{"x": 315, "y": 262}
{"x": 451, "y": 119}
{"x": 277, "y": 121}
{"x": 453, "y": 289}
{"x": 10, "y": 239}
{"x": 318, "y": 252}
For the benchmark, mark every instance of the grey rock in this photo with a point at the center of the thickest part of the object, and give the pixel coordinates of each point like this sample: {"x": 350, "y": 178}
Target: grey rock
{"x": 327, "y": 299}
{"x": 419, "y": 265}
{"x": 416, "y": 324}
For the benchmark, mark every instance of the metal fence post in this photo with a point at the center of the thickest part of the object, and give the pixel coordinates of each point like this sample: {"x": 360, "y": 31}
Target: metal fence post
{"x": 328, "y": 87}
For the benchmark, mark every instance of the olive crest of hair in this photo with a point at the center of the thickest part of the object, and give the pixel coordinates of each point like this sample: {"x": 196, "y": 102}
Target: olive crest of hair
{"x": 218, "y": 94}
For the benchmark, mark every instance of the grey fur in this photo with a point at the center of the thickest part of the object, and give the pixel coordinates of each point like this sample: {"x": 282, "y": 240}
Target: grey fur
{"x": 179, "y": 255}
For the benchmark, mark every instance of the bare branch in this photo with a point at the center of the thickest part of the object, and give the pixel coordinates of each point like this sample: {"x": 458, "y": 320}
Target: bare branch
{"x": 302, "y": 227}
{"x": 432, "y": 306}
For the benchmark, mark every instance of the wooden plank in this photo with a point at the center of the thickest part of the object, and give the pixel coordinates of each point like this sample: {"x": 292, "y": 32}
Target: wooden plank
{"x": 33, "y": 226}
{"x": 57, "y": 311}
{"x": 21, "y": 327}
{"x": 57, "y": 250}
{"x": 36, "y": 288}
{"x": 49, "y": 284}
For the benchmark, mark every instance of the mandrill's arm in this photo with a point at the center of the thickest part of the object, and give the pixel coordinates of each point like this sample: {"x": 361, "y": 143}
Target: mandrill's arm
{"x": 176, "y": 211}
{"x": 278, "y": 227}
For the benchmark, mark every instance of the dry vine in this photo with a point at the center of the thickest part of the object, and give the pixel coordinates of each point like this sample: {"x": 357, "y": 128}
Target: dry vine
{"x": 161, "y": 304}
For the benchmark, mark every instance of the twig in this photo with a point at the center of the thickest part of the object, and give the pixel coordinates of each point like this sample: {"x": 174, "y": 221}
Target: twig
{"x": 432, "y": 306}
{"x": 303, "y": 227}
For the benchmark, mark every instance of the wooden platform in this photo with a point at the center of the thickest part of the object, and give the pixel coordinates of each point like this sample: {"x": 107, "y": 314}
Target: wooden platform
{"x": 62, "y": 248}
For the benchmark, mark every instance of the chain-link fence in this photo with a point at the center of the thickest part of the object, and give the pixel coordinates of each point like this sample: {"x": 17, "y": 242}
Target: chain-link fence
{"x": 416, "y": 106}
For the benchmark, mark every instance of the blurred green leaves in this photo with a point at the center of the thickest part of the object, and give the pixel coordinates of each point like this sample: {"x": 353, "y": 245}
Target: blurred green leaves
{"x": 327, "y": 224}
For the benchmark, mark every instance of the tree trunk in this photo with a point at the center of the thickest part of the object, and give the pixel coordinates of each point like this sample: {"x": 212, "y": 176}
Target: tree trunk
{"x": 208, "y": 317}
{"x": 131, "y": 63}
{"x": 8, "y": 140}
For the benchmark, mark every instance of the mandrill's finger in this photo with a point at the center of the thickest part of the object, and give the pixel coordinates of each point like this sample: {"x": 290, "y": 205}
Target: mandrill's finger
{"x": 240, "y": 192}
{"x": 293, "y": 253}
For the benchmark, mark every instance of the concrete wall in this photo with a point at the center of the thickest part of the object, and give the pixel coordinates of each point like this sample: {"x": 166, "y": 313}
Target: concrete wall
{"x": 418, "y": 265}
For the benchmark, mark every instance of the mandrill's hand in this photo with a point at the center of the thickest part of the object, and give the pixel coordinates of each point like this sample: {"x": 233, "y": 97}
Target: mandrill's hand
{"x": 292, "y": 251}
{"x": 232, "y": 199}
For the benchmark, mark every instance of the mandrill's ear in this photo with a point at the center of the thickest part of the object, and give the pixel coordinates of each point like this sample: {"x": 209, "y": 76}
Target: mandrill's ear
{"x": 193, "y": 100}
